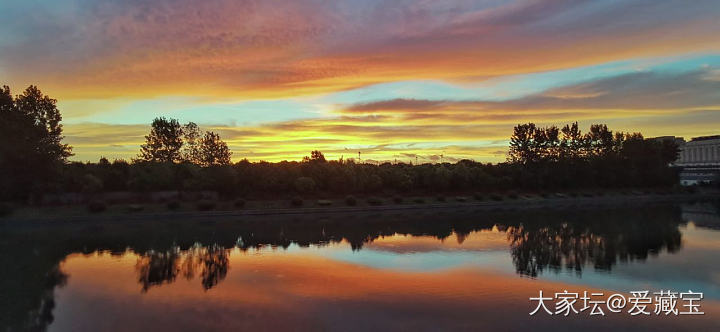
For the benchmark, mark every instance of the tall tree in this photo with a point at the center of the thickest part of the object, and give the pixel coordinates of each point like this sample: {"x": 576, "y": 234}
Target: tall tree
{"x": 522, "y": 144}
{"x": 164, "y": 142}
{"x": 573, "y": 141}
{"x": 213, "y": 150}
{"x": 600, "y": 139}
{"x": 31, "y": 148}
{"x": 192, "y": 136}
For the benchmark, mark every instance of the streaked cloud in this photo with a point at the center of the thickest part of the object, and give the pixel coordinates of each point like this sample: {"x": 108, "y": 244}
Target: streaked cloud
{"x": 389, "y": 79}
{"x": 633, "y": 92}
{"x": 277, "y": 48}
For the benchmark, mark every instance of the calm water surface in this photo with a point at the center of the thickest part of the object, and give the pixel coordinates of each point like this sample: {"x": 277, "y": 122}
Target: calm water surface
{"x": 468, "y": 270}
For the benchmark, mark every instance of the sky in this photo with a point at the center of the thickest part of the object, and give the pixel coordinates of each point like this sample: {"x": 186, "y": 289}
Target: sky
{"x": 405, "y": 80}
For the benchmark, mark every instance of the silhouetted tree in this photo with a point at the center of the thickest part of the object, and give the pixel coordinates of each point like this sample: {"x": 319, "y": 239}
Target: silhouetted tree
{"x": 315, "y": 156}
{"x": 31, "y": 148}
{"x": 191, "y": 150}
{"x": 213, "y": 150}
{"x": 164, "y": 142}
{"x": 521, "y": 144}
{"x": 572, "y": 142}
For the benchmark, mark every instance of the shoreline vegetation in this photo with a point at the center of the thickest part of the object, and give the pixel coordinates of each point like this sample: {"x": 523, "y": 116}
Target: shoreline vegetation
{"x": 182, "y": 167}
{"x": 416, "y": 204}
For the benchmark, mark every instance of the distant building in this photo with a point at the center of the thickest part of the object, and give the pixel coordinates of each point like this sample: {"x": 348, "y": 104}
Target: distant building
{"x": 700, "y": 160}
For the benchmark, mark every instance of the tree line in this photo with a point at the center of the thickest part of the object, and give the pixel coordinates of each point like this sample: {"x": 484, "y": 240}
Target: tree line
{"x": 33, "y": 161}
{"x": 168, "y": 142}
{"x": 567, "y": 157}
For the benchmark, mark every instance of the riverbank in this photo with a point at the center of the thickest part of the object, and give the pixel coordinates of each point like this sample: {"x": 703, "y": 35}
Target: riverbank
{"x": 229, "y": 209}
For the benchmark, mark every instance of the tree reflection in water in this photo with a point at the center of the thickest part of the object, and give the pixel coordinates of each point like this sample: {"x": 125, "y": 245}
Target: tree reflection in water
{"x": 538, "y": 241}
{"x": 157, "y": 268}
{"x": 600, "y": 241}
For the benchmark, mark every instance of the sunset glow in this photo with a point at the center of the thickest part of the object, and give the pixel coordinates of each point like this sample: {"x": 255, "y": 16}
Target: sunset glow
{"x": 394, "y": 80}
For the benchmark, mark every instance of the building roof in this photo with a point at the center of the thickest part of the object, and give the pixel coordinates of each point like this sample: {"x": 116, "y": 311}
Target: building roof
{"x": 705, "y": 138}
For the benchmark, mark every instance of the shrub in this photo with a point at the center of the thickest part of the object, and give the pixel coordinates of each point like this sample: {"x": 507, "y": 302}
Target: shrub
{"x": 296, "y": 201}
{"x": 461, "y": 199}
{"x": 374, "y": 201}
{"x": 6, "y": 209}
{"x": 239, "y": 203}
{"x": 324, "y": 202}
{"x": 173, "y": 205}
{"x": 496, "y": 197}
{"x": 205, "y": 205}
{"x": 419, "y": 200}
{"x": 304, "y": 185}
{"x": 96, "y": 207}
{"x": 397, "y": 199}
{"x": 351, "y": 200}
{"x": 512, "y": 195}
{"x": 479, "y": 197}
{"x": 440, "y": 198}
{"x": 91, "y": 184}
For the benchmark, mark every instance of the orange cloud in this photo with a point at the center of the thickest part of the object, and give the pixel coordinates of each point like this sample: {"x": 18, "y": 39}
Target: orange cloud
{"x": 269, "y": 49}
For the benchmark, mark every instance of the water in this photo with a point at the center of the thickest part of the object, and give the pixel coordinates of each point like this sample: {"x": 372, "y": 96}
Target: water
{"x": 436, "y": 270}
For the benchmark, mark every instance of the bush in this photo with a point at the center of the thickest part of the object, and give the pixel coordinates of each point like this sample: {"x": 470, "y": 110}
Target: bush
{"x": 96, "y": 207}
{"x": 512, "y": 195}
{"x": 205, "y": 205}
{"x": 479, "y": 197}
{"x": 374, "y": 201}
{"x": 419, "y": 200}
{"x": 304, "y": 185}
{"x": 324, "y": 202}
{"x": 296, "y": 201}
{"x": 239, "y": 203}
{"x": 91, "y": 184}
{"x": 173, "y": 205}
{"x": 440, "y": 198}
{"x": 496, "y": 197}
{"x": 6, "y": 209}
{"x": 135, "y": 208}
{"x": 350, "y": 200}
{"x": 461, "y": 199}
{"x": 397, "y": 199}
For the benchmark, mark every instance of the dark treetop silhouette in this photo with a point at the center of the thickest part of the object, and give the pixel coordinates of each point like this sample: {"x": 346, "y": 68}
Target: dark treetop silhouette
{"x": 33, "y": 161}
{"x": 31, "y": 148}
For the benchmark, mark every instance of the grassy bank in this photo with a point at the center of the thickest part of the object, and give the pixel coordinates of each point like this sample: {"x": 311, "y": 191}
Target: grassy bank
{"x": 318, "y": 204}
